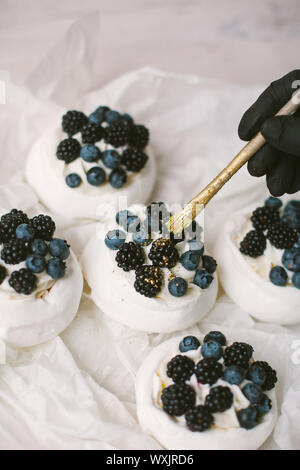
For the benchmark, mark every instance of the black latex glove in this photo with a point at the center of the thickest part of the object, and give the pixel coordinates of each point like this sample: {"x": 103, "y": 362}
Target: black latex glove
{"x": 279, "y": 159}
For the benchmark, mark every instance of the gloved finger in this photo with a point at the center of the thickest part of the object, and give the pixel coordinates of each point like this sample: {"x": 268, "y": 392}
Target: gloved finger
{"x": 281, "y": 176}
{"x": 268, "y": 104}
{"x": 295, "y": 186}
{"x": 283, "y": 132}
{"x": 263, "y": 160}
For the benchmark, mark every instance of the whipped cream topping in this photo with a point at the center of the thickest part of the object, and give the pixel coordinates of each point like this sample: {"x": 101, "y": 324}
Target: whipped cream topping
{"x": 172, "y": 432}
{"x": 246, "y": 279}
{"x": 113, "y": 289}
{"x": 46, "y": 174}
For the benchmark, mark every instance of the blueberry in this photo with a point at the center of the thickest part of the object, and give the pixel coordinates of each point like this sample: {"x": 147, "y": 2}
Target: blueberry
{"x": 291, "y": 214}
{"x": 127, "y": 220}
{"x": 25, "y": 232}
{"x": 56, "y": 268}
{"x": 209, "y": 263}
{"x": 178, "y": 287}
{"x": 35, "y": 263}
{"x": 257, "y": 374}
{"x": 298, "y": 241}
{"x": 73, "y": 180}
{"x": 202, "y": 279}
{"x": 248, "y": 417}
{"x": 142, "y": 237}
{"x": 90, "y": 153}
{"x": 98, "y": 116}
{"x": 118, "y": 178}
{"x": 59, "y": 248}
{"x": 252, "y": 392}
{"x": 278, "y": 276}
{"x": 96, "y": 176}
{"x": 114, "y": 239}
{"x": 190, "y": 260}
{"x": 264, "y": 405}
{"x": 212, "y": 349}
{"x": 273, "y": 202}
{"x": 196, "y": 245}
{"x": 291, "y": 258}
{"x": 126, "y": 117}
{"x": 189, "y": 343}
{"x": 216, "y": 336}
{"x": 112, "y": 116}
{"x": 111, "y": 159}
{"x": 39, "y": 247}
{"x": 234, "y": 375}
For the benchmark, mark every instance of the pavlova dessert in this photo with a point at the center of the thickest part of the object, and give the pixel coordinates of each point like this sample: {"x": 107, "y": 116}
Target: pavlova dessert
{"x": 146, "y": 279}
{"x": 40, "y": 280}
{"x": 258, "y": 254}
{"x": 89, "y": 162}
{"x": 206, "y": 394}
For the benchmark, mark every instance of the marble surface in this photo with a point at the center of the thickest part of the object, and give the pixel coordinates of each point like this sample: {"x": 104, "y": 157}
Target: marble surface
{"x": 232, "y": 40}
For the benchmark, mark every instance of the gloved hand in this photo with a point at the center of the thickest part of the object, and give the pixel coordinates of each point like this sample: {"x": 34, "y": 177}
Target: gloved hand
{"x": 279, "y": 159}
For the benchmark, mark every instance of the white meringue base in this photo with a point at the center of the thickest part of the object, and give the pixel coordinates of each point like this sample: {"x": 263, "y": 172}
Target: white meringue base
{"x": 46, "y": 175}
{"x": 255, "y": 295}
{"x": 118, "y": 299}
{"x": 171, "y": 435}
{"x": 30, "y": 320}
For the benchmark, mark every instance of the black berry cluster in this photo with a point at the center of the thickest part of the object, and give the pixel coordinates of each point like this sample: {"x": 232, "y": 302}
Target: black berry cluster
{"x": 254, "y": 244}
{"x": 116, "y": 130}
{"x": 148, "y": 280}
{"x": 130, "y": 256}
{"x": 30, "y": 241}
{"x": 280, "y": 227}
{"x": 163, "y": 253}
{"x": 180, "y": 398}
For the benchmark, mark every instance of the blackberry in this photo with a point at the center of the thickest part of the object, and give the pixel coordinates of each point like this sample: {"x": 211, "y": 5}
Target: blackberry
{"x": 139, "y": 136}
{"x": 91, "y": 133}
{"x": 238, "y": 354}
{"x": 130, "y": 256}
{"x": 180, "y": 368}
{"x": 133, "y": 159}
{"x": 219, "y": 399}
{"x": 68, "y": 150}
{"x": 23, "y": 281}
{"x": 44, "y": 227}
{"x": 148, "y": 280}
{"x": 117, "y": 134}
{"x": 178, "y": 398}
{"x": 163, "y": 253}
{"x": 263, "y": 217}
{"x": 208, "y": 371}
{"x": 73, "y": 121}
{"x": 198, "y": 419}
{"x": 3, "y": 273}
{"x": 9, "y": 223}
{"x": 254, "y": 244}
{"x": 282, "y": 236}
{"x": 270, "y": 377}
{"x": 14, "y": 252}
